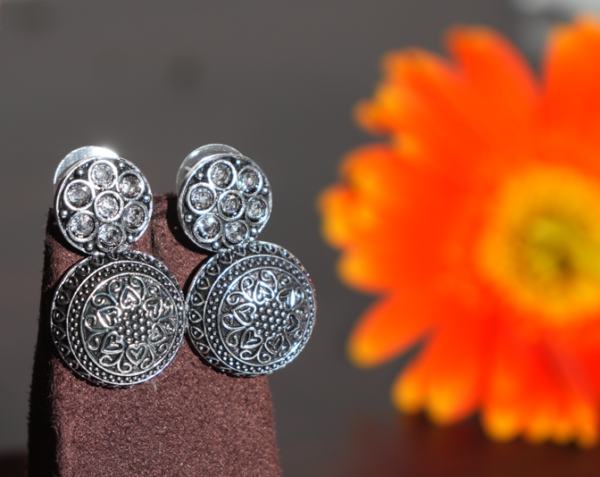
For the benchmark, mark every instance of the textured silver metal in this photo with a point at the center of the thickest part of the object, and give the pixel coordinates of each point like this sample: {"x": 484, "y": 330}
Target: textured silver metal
{"x": 224, "y": 199}
{"x": 103, "y": 202}
{"x": 118, "y": 319}
{"x": 251, "y": 309}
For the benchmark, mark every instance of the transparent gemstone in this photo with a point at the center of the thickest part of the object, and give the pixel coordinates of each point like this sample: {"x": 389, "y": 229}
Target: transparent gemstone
{"x": 110, "y": 236}
{"x": 102, "y": 175}
{"x": 107, "y": 206}
{"x": 257, "y": 209}
{"x": 207, "y": 227}
{"x": 81, "y": 226}
{"x": 230, "y": 204}
{"x": 134, "y": 216}
{"x": 221, "y": 174}
{"x": 249, "y": 181}
{"x": 201, "y": 198}
{"x": 130, "y": 186}
{"x": 235, "y": 232}
{"x": 79, "y": 194}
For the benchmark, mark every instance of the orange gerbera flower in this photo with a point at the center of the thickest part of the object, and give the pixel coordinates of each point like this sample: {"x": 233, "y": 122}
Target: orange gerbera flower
{"x": 478, "y": 223}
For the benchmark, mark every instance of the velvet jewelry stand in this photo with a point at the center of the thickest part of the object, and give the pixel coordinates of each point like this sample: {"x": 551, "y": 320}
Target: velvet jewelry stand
{"x": 188, "y": 421}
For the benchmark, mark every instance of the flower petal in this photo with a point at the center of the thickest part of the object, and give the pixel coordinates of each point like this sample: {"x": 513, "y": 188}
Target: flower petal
{"x": 572, "y": 74}
{"x": 387, "y": 329}
{"x": 446, "y": 379}
{"x": 499, "y": 93}
{"x": 531, "y": 392}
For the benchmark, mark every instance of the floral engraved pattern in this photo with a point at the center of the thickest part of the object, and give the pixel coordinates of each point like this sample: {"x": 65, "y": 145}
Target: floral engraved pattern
{"x": 252, "y": 309}
{"x": 262, "y": 316}
{"x": 126, "y": 324}
{"x": 118, "y": 319}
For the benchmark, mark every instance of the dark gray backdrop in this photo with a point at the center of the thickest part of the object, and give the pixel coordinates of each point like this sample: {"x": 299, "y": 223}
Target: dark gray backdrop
{"x": 276, "y": 79}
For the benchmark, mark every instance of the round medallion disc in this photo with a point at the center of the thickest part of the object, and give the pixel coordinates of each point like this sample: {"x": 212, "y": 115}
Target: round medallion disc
{"x": 118, "y": 319}
{"x": 251, "y": 309}
{"x": 103, "y": 204}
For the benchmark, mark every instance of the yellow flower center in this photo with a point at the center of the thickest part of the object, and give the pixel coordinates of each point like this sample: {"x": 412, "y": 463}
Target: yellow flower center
{"x": 541, "y": 248}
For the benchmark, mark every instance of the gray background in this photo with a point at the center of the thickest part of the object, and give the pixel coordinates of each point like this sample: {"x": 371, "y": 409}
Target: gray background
{"x": 276, "y": 79}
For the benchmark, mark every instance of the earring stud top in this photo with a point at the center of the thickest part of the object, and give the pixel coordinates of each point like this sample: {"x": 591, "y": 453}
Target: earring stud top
{"x": 224, "y": 199}
{"x": 103, "y": 202}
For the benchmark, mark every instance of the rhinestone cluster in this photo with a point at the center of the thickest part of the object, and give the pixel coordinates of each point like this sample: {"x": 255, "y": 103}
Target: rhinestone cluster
{"x": 225, "y": 202}
{"x": 103, "y": 205}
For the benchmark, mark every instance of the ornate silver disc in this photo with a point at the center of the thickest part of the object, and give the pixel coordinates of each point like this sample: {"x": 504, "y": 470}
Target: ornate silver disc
{"x": 103, "y": 203}
{"x": 224, "y": 199}
{"x": 251, "y": 309}
{"x": 118, "y": 319}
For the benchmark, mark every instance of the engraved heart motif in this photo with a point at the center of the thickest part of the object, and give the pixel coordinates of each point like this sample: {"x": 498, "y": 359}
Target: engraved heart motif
{"x": 230, "y": 322}
{"x": 243, "y": 313}
{"x": 62, "y": 298}
{"x": 112, "y": 344}
{"x": 233, "y": 339}
{"x": 293, "y": 324}
{"x": 58, "y": 316}
{"x": 197, "y": 299}
{"x": 157, "y": 335}
{"x": 274, "y": 344}
{"x": 153, "y": 307}
{"x": 213, "y": 269}
{"x": 129, "y": 299}
{"x": 136, "y": 353}
{"x": 107, "y": 316}
{"x": 58, "y": 333}
{"x": 262, "y": 293}
{"x": 196, "y": 332}
{"x": 195, "y": 317}
{"x": 250, "y": 339}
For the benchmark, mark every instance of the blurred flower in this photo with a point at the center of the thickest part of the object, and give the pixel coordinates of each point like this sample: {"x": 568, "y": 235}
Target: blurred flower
{"x": 478, "y": 224}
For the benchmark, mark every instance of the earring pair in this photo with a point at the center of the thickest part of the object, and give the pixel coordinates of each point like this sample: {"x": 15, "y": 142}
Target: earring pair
{"x": 118, "y": 316}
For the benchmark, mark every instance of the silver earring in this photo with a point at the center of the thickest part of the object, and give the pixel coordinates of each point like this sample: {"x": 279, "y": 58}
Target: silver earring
{"x": 252, "y": 306}
{"x": 118, "y": 316}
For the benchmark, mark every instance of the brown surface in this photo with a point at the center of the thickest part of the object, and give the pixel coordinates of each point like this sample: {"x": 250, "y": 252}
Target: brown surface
{"x": 190, "y": 420}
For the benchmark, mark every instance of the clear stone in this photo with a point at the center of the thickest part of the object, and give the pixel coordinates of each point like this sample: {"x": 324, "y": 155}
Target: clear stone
{"x": 107, "y": 206}
{"x": 230, "y": 204}
{"x": 235, "y": 232}
{"x": 207, "y": 227}
{"x": 221, "y": 174}
{"x": 201, "y": 198}
{"x": 110, "y": 236}
{"x": 81, "y": 226}
{"x": 134, "y": 216}
{"x": 257, "y": 209}
{"x": 102, "y": 175}
{"x": 79, "y": 194}
{"x": 130, "y": 186}
{"x": 249, "y": 181}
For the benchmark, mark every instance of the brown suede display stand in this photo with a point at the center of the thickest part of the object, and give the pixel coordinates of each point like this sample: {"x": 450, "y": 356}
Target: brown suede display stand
{"x": 188, "y": 421}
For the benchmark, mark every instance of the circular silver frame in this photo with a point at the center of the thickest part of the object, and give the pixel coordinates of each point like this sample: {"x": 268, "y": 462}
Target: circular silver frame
{"x": 118, "y": 319}
{"x": 251, "y": 309}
